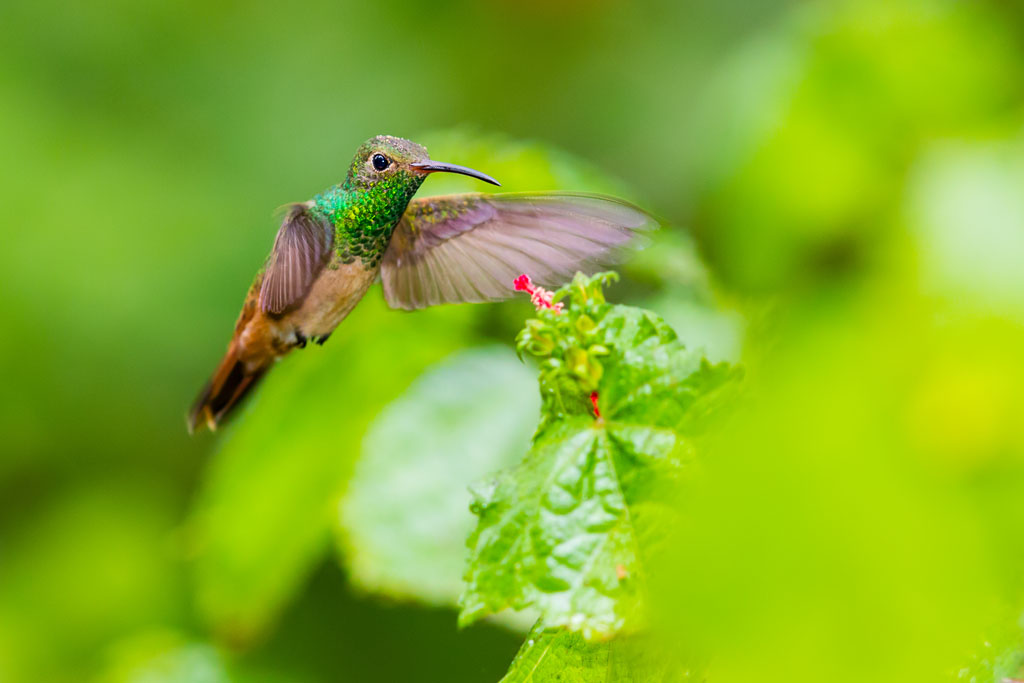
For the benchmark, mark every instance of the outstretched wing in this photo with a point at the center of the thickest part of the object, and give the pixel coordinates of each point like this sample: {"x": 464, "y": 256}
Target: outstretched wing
{"x": 301, "y": 250}
{"x": 470, "y": 247}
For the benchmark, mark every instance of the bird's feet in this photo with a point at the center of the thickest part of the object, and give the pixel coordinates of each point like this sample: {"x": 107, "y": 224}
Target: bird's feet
{"x": 301, "y": 339}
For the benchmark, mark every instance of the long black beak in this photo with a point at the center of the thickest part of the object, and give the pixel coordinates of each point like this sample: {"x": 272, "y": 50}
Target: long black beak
{"x": 437, "y": 166}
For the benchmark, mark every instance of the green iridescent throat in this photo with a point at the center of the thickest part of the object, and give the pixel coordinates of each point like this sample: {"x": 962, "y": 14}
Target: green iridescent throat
{"x": 364, "y": 214}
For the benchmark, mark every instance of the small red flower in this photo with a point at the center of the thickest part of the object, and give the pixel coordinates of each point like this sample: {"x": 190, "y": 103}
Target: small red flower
{"x": 593, "y": 402}
{"x": 539, "y": 297}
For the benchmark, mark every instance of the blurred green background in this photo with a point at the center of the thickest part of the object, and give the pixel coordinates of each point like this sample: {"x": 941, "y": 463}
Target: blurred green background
{"x": 850, "y": 173}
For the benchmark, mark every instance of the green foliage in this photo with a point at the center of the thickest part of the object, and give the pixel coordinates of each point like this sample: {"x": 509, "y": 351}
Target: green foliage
{"x": 998, "y": 657}
{"x": 870, "y": 476}
{"x": 560, "y": 656}
{"x": 403, "y": 520}
{"x": 562, "y": 532}
{"x": 807, "y": 135}
{"x": 569, "y": 530}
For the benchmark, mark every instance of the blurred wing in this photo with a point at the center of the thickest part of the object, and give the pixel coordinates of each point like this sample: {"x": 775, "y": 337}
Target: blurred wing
{"x": 470, "y": 247}
{"x": 301, "y": 249}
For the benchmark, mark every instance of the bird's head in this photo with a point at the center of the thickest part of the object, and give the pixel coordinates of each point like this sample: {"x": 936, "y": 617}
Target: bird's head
{"x": 398, "y": 166}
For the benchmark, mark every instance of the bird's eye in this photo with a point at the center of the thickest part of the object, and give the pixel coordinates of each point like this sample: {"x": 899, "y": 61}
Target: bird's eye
{"x": 380, "y": 162}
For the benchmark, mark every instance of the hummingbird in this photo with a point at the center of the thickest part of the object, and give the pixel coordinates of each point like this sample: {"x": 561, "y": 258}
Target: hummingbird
{"x": 433, "y": 250}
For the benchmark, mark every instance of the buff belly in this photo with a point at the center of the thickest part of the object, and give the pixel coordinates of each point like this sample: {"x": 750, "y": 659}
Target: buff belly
{"x": 332, "y": 297}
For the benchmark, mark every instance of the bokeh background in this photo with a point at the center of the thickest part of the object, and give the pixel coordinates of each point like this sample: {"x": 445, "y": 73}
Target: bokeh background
{"x": 843, "y": 185}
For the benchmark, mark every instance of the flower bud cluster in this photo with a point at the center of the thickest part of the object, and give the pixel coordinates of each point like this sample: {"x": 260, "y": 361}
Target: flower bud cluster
{"x": 568, "y": 341}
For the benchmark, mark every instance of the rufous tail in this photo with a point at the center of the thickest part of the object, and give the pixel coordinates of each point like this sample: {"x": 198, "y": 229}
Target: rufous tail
{"x": 229, "y": 384}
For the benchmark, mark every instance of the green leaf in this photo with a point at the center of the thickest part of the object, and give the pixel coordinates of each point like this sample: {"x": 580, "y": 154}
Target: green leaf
{"x": 561, "y": 656}
{"x": 563, "y": 530}
{"x": 403, "y": 521}
{"x": 569, "y": 529}
{"x": 998, "y": 656}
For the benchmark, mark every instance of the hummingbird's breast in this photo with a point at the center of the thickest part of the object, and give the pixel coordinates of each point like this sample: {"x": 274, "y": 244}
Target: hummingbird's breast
{"x": 333, "y": 296}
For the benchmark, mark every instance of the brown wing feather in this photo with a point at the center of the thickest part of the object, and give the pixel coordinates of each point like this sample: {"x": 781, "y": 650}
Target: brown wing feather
{"x": 301, "y": 250}
{"x": 470, "y": 247}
